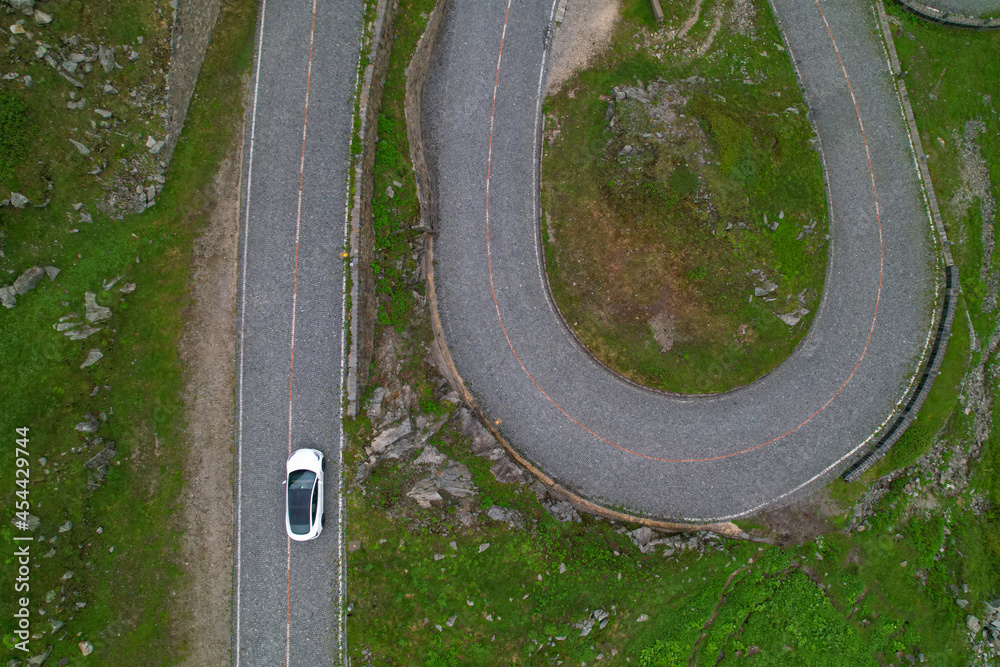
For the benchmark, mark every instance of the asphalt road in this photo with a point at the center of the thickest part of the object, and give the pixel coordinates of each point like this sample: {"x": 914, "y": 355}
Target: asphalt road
{"x": 287, "y": 595}
{"x": 682, "y": 458}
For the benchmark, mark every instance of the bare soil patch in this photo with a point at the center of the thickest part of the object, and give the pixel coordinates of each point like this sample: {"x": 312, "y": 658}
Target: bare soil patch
{"x": 586, "y": 31}
{"x": 209, "y": 355}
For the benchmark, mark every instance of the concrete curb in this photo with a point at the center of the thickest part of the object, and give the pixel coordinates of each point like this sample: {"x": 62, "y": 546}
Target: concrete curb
{"x": 943, "y": 17}
{"x": 946, "y": 318}
{"x": 362, "y": 234}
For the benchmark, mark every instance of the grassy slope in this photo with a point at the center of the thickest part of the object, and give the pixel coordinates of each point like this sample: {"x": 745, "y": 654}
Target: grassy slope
{"x": 125, "y": 574}
{"x": 632, "y": 235}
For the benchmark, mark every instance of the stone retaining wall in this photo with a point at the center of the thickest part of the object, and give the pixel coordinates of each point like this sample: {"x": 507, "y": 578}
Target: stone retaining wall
{"x": 362, "y": 220}
{"x": 948, "y": 18}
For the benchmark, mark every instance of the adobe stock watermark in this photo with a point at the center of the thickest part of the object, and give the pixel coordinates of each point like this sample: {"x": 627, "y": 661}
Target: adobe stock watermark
{"x": 22, "y": 546}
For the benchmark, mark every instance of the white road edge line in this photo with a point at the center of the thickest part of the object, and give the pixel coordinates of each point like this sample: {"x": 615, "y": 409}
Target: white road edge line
{"x": 243, "y": 311}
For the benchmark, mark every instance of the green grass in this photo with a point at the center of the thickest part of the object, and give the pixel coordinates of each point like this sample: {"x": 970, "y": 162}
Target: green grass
{"x": 127, "y": 574}
{"x": 395, "y": 270}
{"x": 676, "y": 231}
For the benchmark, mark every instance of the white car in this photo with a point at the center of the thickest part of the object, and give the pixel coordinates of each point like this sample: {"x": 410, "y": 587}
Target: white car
{"x": 304, "y": 494}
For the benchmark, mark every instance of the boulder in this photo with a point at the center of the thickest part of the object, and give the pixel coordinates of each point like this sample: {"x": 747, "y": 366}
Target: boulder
{"x": 26, "y": 7}
{"x": 95, "y": 312}
{"x": 52, "y": 272}
{"x": 93, "y": 357}
{"x": 83, "y": 150}
{"x": 107, "y": 58}
{"x": 8, "y": 297}
{"x": 28, "y": 280}
{"x": 18, "y": 200}
{"x": 32, "y": 523}
{"x": 389, "y": 437}
{"x": 41, "y": 18}
{"x": 507, "y": 515}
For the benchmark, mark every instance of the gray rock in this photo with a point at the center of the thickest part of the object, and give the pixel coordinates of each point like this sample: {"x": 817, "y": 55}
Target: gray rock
{"x": 106, "y": 57}
{"x": 456, "y": 480}
{"x": 507, "y": 515}
{"x": 85, "y": 217}
{"x": 127, "y": 288}
{"x": 642, "y": 618}
{"x": 972, "y": 623}
{"x": 562, "y": 510}
{"x": 93, "y": 357}
{"x": 66, "y": 527}
{"x": 56, "y": 624}
{"x": 41, "y": 18}
{"x": 83, "y": 150}
{"x": 484, "y": 546}
{"x": 430, "y": 456}
{"x": 102, "y": 458}
{"x": 451, "y": 621}
{"x": 28, "y": 280}
{"x": 425, "y": 492}
{"x": 103, "y": 113}
{"x": 389, "y": 437}
{"x": 86, "y": 647}
{"x": 794, "y": 317}
{"x": 38, "y": 660}
{"x": 18, "y": 200}
{"x": 8, "y": 297}
{"x": 765, "y": 288}
{"x": 506, "y": 471}
{"x": 52, "y": 272}
{"x": 95, "y": 312}
{"x": 28, "y": 81}
{"x": 157, "y": 147}
{"x": 89, "y": 426}
{"x": 67, "y": 575}
{"x": 26, "y": 7}
{"x": 81, "y": 334}
{"x": 70, "y": 66}
{"x": 33, "y": 522}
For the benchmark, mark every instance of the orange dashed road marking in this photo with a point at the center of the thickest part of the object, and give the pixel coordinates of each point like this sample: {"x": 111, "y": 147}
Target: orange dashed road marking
{"x": 878, "y": 296}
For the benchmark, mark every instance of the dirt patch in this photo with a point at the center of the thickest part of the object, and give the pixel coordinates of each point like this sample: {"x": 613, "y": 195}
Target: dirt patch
{"x": 585, "y": 32}
{"x": 209, "y": 356}
{"x": 801, "y": 521}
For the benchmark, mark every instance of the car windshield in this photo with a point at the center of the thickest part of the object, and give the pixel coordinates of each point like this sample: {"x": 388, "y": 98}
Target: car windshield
{"x": 300, "y": 486}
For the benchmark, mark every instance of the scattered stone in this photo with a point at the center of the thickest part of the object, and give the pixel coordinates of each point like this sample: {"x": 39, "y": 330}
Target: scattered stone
{"x": 509, "y": 516}
{"x": 8, "y": 297}
{"x": 389, "y": 192}
{"x": 106, "y": 57}
{"x": 95, "y": 312}
{"x": 17, "y": 29}
{"x": 38, "y": 660}
{"x": 562, "y": 568}
{"x": 93, "y": 357}
{"x": 32, "y": 523}
{"x": 642, "y": 618}
{"x": 18, "y": 200}
{"x": 85, "y": 217}
{"x": 28, "y": 81}
{"x": 451, "y": 621}
{"x": 52, "y": 272}
{"x": 28, "y": 280}
{"x": 102, "y": 458}
{"x": 562, "y": 510}
{"x": 86, "y": 647}
{"x": 962, "y": 603}
{"x": 56, "y": 624}
{"x": 88, "y": 426}
{"x": 24, "y": 6}
{"x": 973, "y": 624}
{"x": 81, "y": 334}
{"x": 83, "y": 150}
{"x": 484, "y": 546}
{"x": 67, "y": 575}
{"x": 103, "y": 113}
{"x": 765, "y": 288}
{"x": 66, "y": 527}
{"x": 127, "y": 288}
{"x": 41, "y": 18}
{"x": 794, "y": 317}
